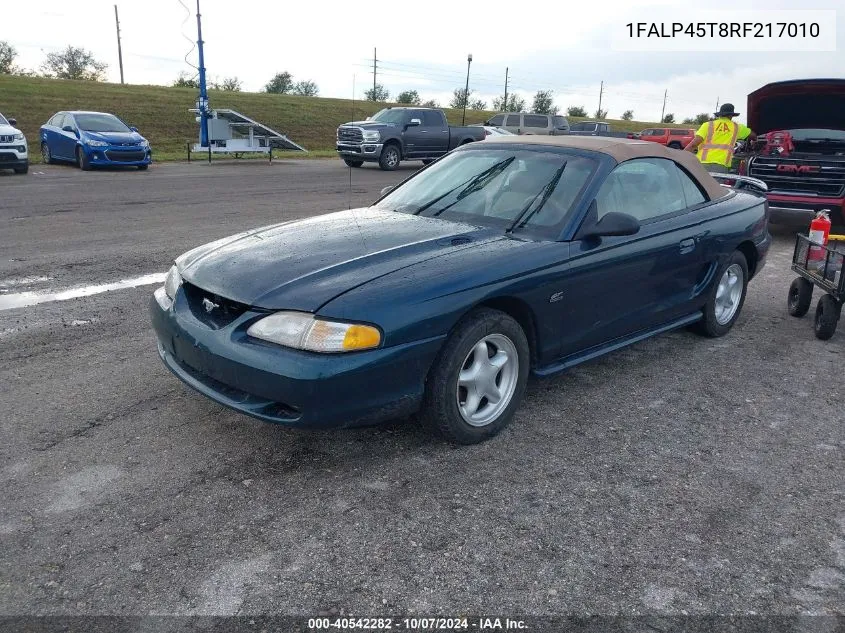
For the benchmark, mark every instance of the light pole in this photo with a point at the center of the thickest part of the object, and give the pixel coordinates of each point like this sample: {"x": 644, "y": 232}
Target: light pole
{"x": 466, "y": 91}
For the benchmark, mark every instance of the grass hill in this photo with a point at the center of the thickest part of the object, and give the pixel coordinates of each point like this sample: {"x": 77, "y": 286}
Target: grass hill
{"x": 161, "y": 113}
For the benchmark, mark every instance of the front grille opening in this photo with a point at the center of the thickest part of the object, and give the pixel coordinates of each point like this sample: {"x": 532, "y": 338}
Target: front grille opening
{"x": 212, "y": 309}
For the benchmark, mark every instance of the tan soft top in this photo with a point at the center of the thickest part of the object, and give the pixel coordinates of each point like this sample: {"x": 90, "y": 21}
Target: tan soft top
{"x": 622, "y": 149}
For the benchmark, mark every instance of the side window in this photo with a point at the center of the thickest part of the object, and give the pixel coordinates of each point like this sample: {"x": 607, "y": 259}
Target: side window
{"x": 603, "y": 127}
{"x": 497, "y": 120}
{"x": 692, "y": 192}
{"x": 536, "y": 120}
{"x": 432, "y": 118}
{"x": 646, "y": 188}
{"x": 513, "y": 120}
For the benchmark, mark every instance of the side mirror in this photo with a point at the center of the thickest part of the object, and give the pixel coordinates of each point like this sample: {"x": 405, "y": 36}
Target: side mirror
{"x": 386, "y": 190}
{"x": 414, "y": 122}
{"x": 133, "y": 129}
{"x": 611, "y": 224}
{"x": 68, "y": 128}
{"x": 13, "y": 121}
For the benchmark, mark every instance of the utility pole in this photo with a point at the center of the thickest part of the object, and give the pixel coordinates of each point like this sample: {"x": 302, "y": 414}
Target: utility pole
{"x": 663, "y": 111}
{"x": 202, "y": 102}
{"x": 374, "y": 74}
{"x": 717, "y": 104}
{"x": 119, "y": 51}
{"x": 466, "y": 91}
{"x": 601, "y": 91}
{"x": 505, "y": 102}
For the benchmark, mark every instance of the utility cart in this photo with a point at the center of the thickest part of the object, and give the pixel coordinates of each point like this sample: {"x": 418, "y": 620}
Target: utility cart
{"x": 818, "y": 265}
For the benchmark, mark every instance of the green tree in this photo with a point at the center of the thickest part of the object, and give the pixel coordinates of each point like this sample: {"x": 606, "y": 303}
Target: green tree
{"x": 459, "y": 98}
{"x": 231, "y": 84}
{"x": 184, "y": 80}
{"x": 627, "y": 115}
{"x": 544, "y": 102}
{"x": 306, "y": 88}
{"x": 377, "y": 93}
{"x": 701, "y": 117}
{"x": 431, "y": 103}
{"x": 73, "y": 63}
{"x": 409, "y": 97}
{"x": 477, "y": 104}
{"x": 8, "y": 53}
{"x": 576, "y": 111}
{"x": 688, "y": 121}
{"x": 515, "y": 104}
{"x": 280, "y": 84}
{"x": 669, "y": 118}
{"x": 600, "y": 114}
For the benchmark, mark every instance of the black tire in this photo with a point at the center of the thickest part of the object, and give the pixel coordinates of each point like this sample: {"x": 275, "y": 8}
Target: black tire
{"x": 440, "y": 408}
{"x": 22, "y": 170}
{"x": 427, "y": 161}
{"x": 674, "y": 145}
{"x": 82, "y": 159}
{"x": 827, "y": 317}
{"x": 143, "y": 167}
{"x": 351, "y": 162}
{"x": 800, "y": 297}
{"x": 390, "y": 157}
{"x": 46, "y": 155}
{"x": 710, "y": 325}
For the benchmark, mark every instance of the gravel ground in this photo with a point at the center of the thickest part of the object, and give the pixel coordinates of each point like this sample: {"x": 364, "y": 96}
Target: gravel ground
{"x": 681, "y": 475}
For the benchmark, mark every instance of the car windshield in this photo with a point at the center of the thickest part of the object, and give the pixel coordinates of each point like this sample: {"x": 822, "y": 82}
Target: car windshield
{"x": 583, "y": 127}
{"x": 814, "y": 134}
{"x": 497, "y": 187}
{"x": 389, "y": 116}
{"x": 3, "y": 120}
{"x": 100, "y": 123}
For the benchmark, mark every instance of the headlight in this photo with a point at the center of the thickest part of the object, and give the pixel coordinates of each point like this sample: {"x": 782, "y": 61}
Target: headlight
{"x": 371, "y": 136}
{"x": 18, "y": 137}
{"x": 304, "y": 331}
{"x": 96, "y": 143}
{"x": 144, "y": 143}
{"x": 172, "y": 282}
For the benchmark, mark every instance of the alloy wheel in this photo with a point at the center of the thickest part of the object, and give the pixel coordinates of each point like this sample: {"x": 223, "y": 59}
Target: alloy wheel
{"x": 487, "y": 380}
{"x": 729, "y": 294}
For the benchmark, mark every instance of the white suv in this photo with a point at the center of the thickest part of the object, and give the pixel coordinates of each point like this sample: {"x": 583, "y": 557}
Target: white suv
{"x": 13, "y": 149}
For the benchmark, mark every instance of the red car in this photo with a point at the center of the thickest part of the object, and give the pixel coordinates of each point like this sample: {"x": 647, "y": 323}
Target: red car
{"x": 676, "y": 138}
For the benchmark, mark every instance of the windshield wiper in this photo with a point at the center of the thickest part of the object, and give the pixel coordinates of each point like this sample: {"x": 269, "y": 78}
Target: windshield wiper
{"x": 470, "y": 186}
{"x": 546, "y": 192}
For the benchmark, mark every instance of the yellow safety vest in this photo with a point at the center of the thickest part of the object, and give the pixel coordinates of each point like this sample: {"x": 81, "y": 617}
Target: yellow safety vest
{"x": 719, "y": 140}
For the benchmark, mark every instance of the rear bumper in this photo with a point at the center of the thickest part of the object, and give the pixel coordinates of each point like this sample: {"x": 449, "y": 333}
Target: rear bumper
{"x": 368, "y": 152}
{"x": 800, "y": 210}
{"x": 286, "y": 386}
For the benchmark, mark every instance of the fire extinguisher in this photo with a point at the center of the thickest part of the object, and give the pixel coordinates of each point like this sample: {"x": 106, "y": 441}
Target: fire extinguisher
{"x": 819, "y": 231}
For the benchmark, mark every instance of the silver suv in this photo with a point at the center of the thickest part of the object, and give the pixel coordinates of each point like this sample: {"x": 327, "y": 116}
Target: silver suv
{"x": 523, "y": 123}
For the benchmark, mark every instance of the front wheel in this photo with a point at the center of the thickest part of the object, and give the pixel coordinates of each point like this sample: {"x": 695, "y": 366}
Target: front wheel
{"x": 726, "y": 298}
{"x": 390, "y": 158}
{"x": 351, "y": 162}
{"x": 675, "y": 145}
{"x": 477, "y": 381}
{"x": 800, "y": 297}
{"x": 827, "y": 317}
{"x": 82, "y": 159}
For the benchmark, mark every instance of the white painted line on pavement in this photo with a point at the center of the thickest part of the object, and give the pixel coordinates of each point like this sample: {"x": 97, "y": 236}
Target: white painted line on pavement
{"x": 25, "y": 299}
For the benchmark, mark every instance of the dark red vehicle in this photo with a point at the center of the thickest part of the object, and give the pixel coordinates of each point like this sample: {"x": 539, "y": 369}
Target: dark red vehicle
{"x": 676, "y": 138}
{"x": 805, "y": 168}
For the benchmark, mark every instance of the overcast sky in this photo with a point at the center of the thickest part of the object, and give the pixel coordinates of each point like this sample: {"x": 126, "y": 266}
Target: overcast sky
{"x": 565, "y": 47}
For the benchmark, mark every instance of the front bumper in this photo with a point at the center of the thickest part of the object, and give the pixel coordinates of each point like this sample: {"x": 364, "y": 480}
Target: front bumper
{"x": 14, "y": 155}
{"x": 287, "y": 386}
{"x": 800, "y": 210}
{"x": 369, "y": 152}
{"x": 113, "y": 155}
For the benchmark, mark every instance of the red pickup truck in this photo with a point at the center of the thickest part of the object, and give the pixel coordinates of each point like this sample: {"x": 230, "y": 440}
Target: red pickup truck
{"x": 676, "y": 138}
{"x": 810, "y": 175}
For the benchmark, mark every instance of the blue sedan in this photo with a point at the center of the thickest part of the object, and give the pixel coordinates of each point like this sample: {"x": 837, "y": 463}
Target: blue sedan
{"x": 90, "y": 139}
{"x": 509, "y": 256}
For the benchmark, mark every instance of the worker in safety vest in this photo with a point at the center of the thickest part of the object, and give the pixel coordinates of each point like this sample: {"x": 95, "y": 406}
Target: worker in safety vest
{"x": 716, "y": 139}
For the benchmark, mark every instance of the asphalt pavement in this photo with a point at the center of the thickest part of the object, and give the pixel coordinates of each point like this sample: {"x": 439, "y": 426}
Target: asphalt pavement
{"x": 682, "y": 475}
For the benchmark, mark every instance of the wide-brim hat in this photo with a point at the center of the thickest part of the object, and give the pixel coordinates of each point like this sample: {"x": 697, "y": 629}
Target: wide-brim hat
{"x": 727, "y": 109}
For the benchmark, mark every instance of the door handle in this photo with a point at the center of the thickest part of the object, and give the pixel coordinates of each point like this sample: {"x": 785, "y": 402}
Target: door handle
{"x": 687, "y": 245}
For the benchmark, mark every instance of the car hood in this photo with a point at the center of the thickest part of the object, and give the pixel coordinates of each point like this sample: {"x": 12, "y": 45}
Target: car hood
{"x": 369, "y": 125}
{"x": 8, "y": 129}
{"x": 117, "y": 138}
{"x": 303, "y": 264}
{"x": 790, "y": 105}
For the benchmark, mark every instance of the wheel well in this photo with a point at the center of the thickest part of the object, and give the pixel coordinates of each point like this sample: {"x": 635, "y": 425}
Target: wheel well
{"x": 522, "y": 314}
{"x": 395, "y": 142}
{"x": 750, "y": 251}
{"x": 466, "y": 140}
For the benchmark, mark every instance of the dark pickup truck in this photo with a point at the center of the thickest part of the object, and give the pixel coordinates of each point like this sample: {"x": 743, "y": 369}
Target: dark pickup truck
{"x": 595, "y": 128}
{"x": 811, "y": 176}
{"x": 396, "y": 134}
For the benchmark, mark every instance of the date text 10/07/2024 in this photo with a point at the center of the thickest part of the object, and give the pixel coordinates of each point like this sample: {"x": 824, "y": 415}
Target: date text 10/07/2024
{"x": 417, "y": 624}
{"x": 766, "y": 30}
